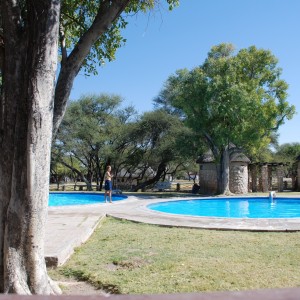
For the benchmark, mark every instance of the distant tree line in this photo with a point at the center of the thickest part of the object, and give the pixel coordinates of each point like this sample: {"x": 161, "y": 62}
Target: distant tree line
{"x": 96, "y": 132}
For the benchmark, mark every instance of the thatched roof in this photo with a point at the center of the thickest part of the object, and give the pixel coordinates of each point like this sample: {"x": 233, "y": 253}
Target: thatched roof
{"x": 205, "y": 158}
{"x": 239, "y": 157}
{"x": 235, "y": 157}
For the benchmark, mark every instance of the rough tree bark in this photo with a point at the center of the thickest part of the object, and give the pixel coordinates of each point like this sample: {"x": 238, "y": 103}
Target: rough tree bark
{"x": 224, "y": 172}
{"x": 222, "y": 157}
{"x": 28, "y": 66}
{"x": 26, "y": 130}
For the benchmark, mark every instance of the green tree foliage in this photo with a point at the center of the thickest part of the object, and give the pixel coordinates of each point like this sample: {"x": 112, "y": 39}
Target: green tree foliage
{"x": 287, "y": 152}
{"x": 90, "y": 34}
{"x": 235, "y": 101}
{"x": 89, "y": 135}
{"x": 77, "y": 16}
{"x": 161, "y": 142}
{"x": 96, "y": 132}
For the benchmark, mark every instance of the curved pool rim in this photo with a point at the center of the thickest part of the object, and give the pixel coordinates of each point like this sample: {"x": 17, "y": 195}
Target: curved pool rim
{"x": 91, "y": 198}
{"x": 213, "y": 223}
{"x": 257, "y": 205}
{"x": 135, "y": 209}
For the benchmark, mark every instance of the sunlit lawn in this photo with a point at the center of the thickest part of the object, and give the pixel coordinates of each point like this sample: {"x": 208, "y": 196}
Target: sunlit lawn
{"x": 126, "y": 257}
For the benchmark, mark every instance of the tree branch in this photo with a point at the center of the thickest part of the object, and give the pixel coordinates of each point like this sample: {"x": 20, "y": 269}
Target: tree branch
{"x": 74, "y": 20}
{"x": 108, "y": 13}
{"x": 279, "y": 122}
{"x": 212, "y": 145}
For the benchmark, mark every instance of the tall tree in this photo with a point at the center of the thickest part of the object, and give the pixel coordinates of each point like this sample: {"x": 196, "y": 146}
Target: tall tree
{"x": 32, "y": 107}
{"x": 236, "y": 101}
{"x": 90, "y": 33}
{"x": 288, "y": 154}
{"x": 160, "y": 142}
{"x": 90, "y": 133}
{"x": 26, "y": 126}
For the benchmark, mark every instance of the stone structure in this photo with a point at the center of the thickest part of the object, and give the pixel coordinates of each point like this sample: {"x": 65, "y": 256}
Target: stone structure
{"x": 208, "y": 177}
{"x": 238, "y": 174}
{"x": 243, "y": 176}
{"x": 280, "y": 176}
{"x": 266, "y": 177}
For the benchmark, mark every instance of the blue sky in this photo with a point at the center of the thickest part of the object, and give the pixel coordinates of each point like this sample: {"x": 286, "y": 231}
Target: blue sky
{"x": 161, "y": 42}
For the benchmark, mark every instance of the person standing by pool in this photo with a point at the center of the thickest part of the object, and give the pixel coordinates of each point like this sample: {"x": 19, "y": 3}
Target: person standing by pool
{"x": 108, "y": 184}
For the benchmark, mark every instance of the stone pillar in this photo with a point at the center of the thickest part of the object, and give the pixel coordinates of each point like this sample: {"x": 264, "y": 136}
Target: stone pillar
{"x": 254, "y": 178}
{"x": 238, "y": 182}
{"x": 280, "y": 175}
{"x": 260, "y": 180}
{"x": 264, "y": 178}
{"x": 270, "y": 175}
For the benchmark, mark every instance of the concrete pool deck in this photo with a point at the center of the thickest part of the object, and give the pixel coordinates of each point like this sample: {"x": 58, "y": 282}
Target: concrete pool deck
{"x": 70, "y": 226}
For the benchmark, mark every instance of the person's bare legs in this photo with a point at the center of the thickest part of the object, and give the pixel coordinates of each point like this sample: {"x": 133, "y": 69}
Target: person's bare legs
{"x": 109, "y": 193}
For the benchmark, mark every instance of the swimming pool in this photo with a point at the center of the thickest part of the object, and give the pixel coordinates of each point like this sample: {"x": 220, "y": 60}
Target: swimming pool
{"x": 63, "y": 199}
{"x": 254, "y": 207}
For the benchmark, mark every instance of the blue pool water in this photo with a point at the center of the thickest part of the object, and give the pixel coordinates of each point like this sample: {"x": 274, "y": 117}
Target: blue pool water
{"x": 62, "y": 199}
{"x": 259, "y": 207}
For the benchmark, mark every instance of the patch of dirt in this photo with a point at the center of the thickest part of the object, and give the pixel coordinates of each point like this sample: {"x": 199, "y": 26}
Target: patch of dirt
{"x": 79, "y": 288}
{"x": 135, "y": 262}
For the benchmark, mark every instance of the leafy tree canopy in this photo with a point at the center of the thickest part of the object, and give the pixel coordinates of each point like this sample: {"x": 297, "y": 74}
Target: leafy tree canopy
{"x": 77, "y": 16}
{"x": 160, "y": 141}
{"x": 235, "y": 101}
{"x": 231, "y": 98}
{"x": 91, "y": 131}
{"x": 288, "y": 152}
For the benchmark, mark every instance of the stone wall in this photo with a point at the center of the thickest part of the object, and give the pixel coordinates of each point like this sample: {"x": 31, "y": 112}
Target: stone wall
{"x": 280, "y": 175}
{"x": 238, "y": 183}
{"x": 262, "y": 177}
{"x": 208, "y": 178}
{"x": 265, "y": 178}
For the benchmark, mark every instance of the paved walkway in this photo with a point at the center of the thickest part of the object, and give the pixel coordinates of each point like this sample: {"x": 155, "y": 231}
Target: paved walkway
{"x": 69, "y": 226}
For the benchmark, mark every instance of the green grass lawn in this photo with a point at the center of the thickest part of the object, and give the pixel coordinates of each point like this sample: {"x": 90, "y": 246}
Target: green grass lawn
{"x": 131, "y": 258}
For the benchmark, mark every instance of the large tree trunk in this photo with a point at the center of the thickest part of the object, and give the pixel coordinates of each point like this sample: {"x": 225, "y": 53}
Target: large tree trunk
{"x": 222, "y": 158}
{"x": 225, "y": 165}
{"x": 26, "y": 127}
{"x": 26, "y": 118}
{"x": 223, "y": 175}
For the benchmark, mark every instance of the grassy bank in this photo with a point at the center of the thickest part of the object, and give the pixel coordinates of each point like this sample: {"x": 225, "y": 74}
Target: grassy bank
{"x": 125, "y": 257}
